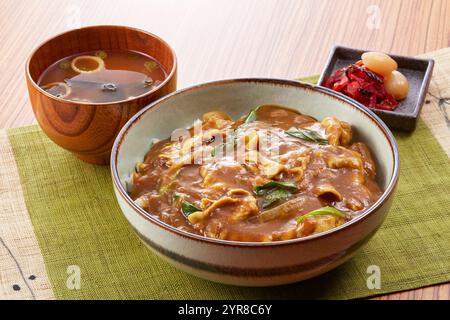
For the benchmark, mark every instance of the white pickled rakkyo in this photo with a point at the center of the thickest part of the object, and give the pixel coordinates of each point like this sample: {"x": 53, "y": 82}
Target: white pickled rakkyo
{"x": 379, "y": 63}
{"x": 397, "y": 85}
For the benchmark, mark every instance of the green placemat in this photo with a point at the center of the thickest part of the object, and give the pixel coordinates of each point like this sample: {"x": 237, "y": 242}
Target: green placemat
{"x": 78, "y": 222}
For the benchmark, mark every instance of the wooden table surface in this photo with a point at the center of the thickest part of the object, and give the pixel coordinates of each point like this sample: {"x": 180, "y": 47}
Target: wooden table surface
{"x": 216, "y": 39}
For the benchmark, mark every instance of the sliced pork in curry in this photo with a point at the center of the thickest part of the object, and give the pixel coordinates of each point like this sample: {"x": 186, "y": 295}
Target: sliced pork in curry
{"x": 273, "y": 174}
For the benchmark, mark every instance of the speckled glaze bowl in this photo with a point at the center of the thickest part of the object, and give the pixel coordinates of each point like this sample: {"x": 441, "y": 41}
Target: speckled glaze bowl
{"x": 248, "y": 263}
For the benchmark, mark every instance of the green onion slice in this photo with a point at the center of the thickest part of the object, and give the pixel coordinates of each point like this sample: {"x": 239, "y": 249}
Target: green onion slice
{"x": 320, "y": 212}
{"x": 150, "y": 65}
{"x": 307, "y": 134}
{"x": 101, "y": 54}
{"x": 188, "y": 208}
{"x": 259, "y": 190}
{"x": 274, "y": 195}
{"x": 251, "y": 117}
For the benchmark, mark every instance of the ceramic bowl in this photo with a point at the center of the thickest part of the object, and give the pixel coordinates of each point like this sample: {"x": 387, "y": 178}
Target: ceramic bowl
{"x": 249, "y": 263}
{"x": 89, "y": 129}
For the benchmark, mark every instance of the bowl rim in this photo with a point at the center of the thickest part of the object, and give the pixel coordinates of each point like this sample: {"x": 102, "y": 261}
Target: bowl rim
{"x": 274, "y": 81}
{"x": 170, "y": 75}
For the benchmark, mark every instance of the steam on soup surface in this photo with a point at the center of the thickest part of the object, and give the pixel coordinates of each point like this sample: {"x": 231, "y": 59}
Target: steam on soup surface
{"x": 274, "y": 174}
{"x": 102, "y": 76}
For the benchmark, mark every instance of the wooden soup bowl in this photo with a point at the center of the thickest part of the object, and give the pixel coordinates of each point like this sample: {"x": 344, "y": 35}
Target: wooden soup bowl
{"x": 88, "y": 129}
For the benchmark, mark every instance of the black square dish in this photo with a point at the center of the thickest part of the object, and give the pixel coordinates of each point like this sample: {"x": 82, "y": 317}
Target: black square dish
{"x": 417, "y": 71}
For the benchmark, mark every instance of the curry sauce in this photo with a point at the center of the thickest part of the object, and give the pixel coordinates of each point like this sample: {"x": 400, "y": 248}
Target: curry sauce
{"x": 274, "y": 174}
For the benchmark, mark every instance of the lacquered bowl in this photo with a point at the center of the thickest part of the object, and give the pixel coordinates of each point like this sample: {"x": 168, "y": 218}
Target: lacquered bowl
{"x": 88, "y": 129}
{"x": 249, "y": 263}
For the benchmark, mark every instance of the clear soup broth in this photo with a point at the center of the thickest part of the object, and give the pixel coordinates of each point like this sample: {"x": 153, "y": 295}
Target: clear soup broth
{"x": 102, "y": 76}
